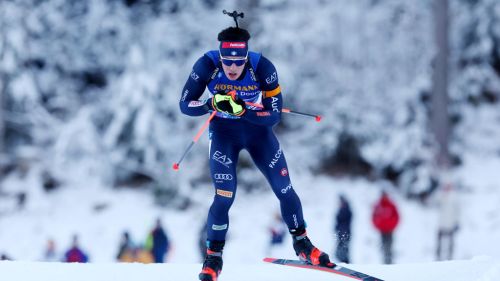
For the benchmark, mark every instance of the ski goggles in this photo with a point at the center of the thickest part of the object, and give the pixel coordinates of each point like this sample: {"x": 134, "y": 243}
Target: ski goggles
{"x": 228, "y": 61}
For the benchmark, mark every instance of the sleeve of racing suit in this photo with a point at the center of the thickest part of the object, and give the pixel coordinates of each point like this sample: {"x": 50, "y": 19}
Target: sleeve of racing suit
{"x": 272, "y": 99}
{"x": 194, "y": 88}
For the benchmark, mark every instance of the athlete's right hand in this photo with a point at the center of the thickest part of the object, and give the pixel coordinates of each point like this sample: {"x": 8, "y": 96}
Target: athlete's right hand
{"x": 228, "y": 104}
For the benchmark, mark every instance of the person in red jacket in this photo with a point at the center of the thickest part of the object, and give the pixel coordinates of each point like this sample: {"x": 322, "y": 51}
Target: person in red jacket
{"x": 385, "y": 218}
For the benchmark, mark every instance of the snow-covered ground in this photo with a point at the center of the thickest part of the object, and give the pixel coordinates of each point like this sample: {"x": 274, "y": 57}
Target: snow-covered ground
{"x": 477, "y": 269}
{"x": 99, "y": 215}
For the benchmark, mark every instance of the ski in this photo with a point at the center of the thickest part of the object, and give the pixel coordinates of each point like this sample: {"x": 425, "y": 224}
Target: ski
{"x": 337, "y": 269}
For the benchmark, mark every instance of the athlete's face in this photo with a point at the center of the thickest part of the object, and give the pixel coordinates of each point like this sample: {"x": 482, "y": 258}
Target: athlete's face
{"x": 233, "y": 66}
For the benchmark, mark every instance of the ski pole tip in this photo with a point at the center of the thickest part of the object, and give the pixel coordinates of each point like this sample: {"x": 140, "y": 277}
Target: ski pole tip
{"x": 176, "y": 166}
{"x": 318, "y": 118}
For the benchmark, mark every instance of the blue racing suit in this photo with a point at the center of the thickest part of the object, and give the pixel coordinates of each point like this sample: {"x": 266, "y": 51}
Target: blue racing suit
{"x": 230, "y": 134}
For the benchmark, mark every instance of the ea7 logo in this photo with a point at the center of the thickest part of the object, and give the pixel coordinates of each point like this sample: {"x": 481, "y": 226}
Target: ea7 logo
{"x": 272, "y": 78}
{"x": 223, "y": 159}
{"x": 194, "y": 76}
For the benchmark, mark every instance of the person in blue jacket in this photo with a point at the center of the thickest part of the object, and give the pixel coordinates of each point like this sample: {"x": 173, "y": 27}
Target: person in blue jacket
{"x": 158, "y": 242}
{"x": 245, "y": 93}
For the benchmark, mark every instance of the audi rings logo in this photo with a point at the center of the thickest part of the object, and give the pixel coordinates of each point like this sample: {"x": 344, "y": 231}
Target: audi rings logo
{"x": 223, "y": 177}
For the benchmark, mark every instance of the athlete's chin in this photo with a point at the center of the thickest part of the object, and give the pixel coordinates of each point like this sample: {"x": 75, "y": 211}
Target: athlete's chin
{"x": 232, "y": 76}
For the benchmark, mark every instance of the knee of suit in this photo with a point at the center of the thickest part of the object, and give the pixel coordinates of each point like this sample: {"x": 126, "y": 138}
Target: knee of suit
{"x": 222, "y": 204}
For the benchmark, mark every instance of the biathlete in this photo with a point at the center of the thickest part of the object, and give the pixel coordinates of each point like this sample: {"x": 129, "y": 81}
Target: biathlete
{"x": 245, "y": 93}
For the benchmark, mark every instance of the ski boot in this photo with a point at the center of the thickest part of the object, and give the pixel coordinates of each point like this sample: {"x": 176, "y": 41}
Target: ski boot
{"x": 306, "y": 251}
{"x": 212, "y": 265}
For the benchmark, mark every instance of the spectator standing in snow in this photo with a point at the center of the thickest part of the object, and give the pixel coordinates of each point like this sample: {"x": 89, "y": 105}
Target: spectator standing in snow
{"x": 5, "y": 257}
{"x": 50, "y": 253}
{"x": 448, "y": 222}
{"x": 343, "y": 230}
{"x": 277, "y": 230}
{"x": 126, "y": 246}
{"x": 75, "y": 253}
{"x": 158, "y": 242}
{"x": 385, "y": 217}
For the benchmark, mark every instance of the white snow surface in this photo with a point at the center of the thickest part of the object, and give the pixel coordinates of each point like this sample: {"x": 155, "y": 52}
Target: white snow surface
{"x": 477, "y": 269}
{"x": 72, "y": 210}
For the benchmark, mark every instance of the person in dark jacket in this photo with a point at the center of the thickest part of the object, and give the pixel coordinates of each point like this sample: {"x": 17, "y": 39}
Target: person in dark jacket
{"x": 75, "y": 254}
{"x": 126, "y": 246}
{"x": 158, "y": 242}
{"x": 385, "y": 218}
{"x": 277, "y": 231}
{"x": 5, "y": 257}
{"x": 343, "y": 230}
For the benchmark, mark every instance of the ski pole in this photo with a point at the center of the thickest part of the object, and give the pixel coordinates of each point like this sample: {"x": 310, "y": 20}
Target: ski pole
{"x": 287, "y": 110}
{"x": 195, "y": 139}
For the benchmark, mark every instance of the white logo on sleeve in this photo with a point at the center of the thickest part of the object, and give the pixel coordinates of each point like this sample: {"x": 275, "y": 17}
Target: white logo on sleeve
{"x": 272, "y": 78}
{"x": 184, "y": 95}
{"x": 195, "y": 76}
{"x": 274, "y": 105}
{"x": 197, "y": 103}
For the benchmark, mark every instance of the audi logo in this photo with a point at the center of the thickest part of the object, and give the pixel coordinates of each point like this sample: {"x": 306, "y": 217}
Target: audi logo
{"x": 225, "y": 177}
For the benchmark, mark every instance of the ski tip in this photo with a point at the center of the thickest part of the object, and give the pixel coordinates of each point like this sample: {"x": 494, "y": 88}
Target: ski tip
{"x": 175, "y": 166}
{"x": 318, "y": 118}
{"x": 269, "y": 259}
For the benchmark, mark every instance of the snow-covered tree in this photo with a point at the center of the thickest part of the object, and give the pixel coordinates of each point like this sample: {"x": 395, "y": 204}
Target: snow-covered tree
{"x": 92, "y": 87}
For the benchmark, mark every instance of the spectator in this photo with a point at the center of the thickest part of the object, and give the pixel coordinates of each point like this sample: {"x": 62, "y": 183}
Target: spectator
{"x": 50, "y": 253}
{"x": 343, "y": 230}
{"x": 5, "y": 257}
{"x": 385, "y": 218}
{"x": 448, "y": 222}
{"x": 126, "y": 246}
{"x": 277, "y": 230}
{"x": 75, "y": 254}
{"x": 158, "y": 242}
{"x": 21, "y": 200}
